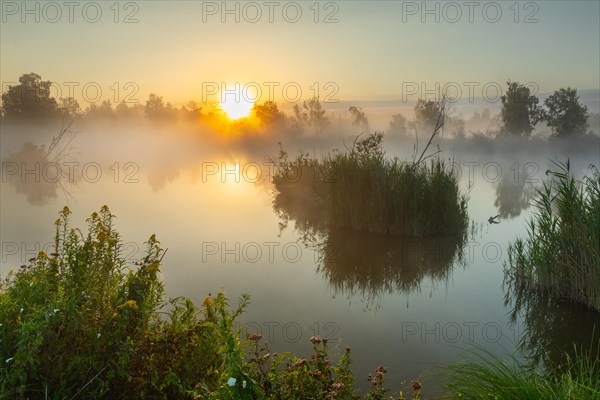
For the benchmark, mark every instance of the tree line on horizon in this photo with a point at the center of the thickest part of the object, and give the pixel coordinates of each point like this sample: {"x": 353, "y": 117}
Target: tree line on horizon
{"x": 563, "y": 112}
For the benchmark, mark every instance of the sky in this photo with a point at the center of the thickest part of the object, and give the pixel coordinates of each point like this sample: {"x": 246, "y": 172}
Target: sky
{"x": 343, "y": 50}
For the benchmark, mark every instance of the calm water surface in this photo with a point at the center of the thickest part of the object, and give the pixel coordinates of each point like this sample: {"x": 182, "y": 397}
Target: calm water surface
{"x": 404, "y": 303}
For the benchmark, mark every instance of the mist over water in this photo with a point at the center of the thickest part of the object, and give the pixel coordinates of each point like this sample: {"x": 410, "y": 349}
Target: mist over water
{"x": 404, "y": 303}
{"x": 359, "y": 168}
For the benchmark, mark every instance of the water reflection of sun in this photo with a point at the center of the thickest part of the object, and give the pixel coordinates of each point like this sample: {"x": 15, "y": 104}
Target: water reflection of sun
{"x": 236, "y": 103}
{"x": 229, "y": 177}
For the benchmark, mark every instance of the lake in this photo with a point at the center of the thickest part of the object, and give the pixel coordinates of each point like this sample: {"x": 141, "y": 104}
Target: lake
{"x": 406, "y": 303}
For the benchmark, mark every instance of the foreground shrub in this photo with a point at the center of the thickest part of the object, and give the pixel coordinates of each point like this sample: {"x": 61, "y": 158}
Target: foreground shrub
{"x": 80, "y": 323}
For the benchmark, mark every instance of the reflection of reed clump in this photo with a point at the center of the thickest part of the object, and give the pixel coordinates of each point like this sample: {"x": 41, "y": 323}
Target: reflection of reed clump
{"x": 298, "y": 204}
{"x": 370, "y": 264}
{"x": 363, "y": 263}
{"x": 553, "y": 330}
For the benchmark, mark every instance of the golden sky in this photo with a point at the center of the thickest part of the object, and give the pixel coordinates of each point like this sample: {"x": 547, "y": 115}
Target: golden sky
{"x": 352, "y": 50}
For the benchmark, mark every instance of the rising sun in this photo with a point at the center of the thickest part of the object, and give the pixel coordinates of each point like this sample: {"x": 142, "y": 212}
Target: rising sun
{"x": 236, "y": 105}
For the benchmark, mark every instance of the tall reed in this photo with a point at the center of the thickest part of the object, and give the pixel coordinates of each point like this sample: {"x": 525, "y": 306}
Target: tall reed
{"x": 361, "y": 189}
{"x": 561, "y": 255}
{"x": 488, "y": 376}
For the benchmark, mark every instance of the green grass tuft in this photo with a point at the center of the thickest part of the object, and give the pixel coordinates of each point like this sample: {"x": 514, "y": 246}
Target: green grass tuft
{"x": 488, "y": 376}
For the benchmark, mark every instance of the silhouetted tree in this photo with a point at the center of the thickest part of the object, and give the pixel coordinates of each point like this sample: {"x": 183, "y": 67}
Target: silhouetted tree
{"x": 30, "y": 99}
{"x": 156, "y": 109}
{"x": 565, "y": 114}
{"x": 480, "y": 121}
{"x": 398, "y": 125}
{"x": 426, "y": 115}
{"x": 311, "y": 114}
{"x": 520, "y": 110}
{"x": 359, "y": 119}
{"x": 268, "y": 113}
{"x": 455, "y": 126}
{"x": 102, "y": 111}
{"x": 123, "y": 111}
{"x": 69, "y": 107}
{"x": 191, "y": 111}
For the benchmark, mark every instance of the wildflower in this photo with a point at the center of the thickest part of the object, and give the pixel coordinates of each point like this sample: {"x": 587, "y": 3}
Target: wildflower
{"x": 22, "y": 309}
{"x": 316, "y": 339}
{"x": 98, "y": 335}
{"x": 231, "y": 382}
{"x": 244, "y": 384}
{"x": 207, "y": 301}
{"x": 31, "y": 284}
{"x": 300, "y": 362}
{"x": 131, "y": 304}
{"x": 255, "y": 337}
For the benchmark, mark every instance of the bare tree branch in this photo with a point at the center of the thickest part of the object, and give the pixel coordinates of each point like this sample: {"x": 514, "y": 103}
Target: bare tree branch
{"x": 438, "y": 126}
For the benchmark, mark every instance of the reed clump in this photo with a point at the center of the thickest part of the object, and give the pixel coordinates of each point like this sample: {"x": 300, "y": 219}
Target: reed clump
{"x": 488, "y": 376}
{"x": 561, "y": 255}
{"x": 361, "y": 189}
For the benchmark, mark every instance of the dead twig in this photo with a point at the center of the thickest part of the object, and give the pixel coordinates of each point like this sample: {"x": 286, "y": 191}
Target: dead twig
{"x": 438, "y": 126}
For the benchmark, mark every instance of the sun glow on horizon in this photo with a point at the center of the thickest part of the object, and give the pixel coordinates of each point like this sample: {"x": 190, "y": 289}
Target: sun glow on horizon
{"x": 236, "y": 103}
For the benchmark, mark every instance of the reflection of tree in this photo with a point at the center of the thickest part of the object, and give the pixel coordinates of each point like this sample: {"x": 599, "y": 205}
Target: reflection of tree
{"x": 512, "y": 197}
{"x": 37, "y": 172}
{"x": 553, "y": 330}
{"x": 369, "y": 264}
